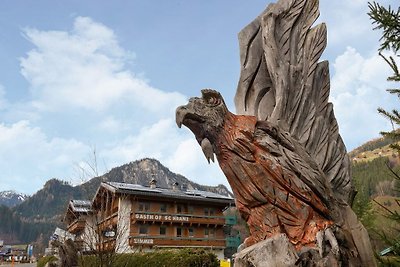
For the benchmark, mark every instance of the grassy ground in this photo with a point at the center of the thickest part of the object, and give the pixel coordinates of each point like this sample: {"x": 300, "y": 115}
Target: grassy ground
{"x": 384, "y": 151}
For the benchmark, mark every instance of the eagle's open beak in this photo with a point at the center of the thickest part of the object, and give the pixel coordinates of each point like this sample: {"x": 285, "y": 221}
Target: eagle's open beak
{"x": 180, "y": 114}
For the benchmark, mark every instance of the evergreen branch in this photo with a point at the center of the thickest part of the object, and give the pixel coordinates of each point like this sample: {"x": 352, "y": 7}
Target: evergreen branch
{"x": 389, "y": 135}
{"x": 396, "y": 114}
{"x": 394, "y": 117}
{"x": 394, "y": 91}
{"x": 393, "y": 65}
{"x": 383, "y": 207}
{"x": 388, "y": 20}
{"x": 393, "y": 172}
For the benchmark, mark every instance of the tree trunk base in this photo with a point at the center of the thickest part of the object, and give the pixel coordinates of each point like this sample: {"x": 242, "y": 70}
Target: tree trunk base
{"x": 279, "y": 252}
{"x": 273, "y": 252}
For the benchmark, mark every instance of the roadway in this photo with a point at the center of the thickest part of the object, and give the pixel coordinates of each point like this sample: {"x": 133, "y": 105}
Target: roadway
{"x": 18, "y": 264}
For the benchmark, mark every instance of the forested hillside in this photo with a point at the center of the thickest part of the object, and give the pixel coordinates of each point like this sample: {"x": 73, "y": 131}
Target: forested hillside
{"x": 14, "y": 230}
{"x": 49, "y": 203}
{"x": 377, "y": 188}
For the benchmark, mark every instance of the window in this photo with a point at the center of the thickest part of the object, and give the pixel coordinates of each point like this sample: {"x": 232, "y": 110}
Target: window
{"x": 144, "y": 206}
{"x": 206, "y": 211}
{"x": 179, "y": 208}
{"x": 191, "y": 232}
{"x": 212, "y": 212}
{"x": 143, "y": 229}
{"x": 211, "y": 233}
{"x": 163, "y": 230}
{"x": 178, "y": 231}
{"x": 163, "y": 207}
{"x": 190, "y": 209}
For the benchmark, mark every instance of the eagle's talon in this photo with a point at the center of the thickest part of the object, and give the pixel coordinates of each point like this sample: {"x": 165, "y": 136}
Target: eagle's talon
{"x": 320, "y": 240}
{"x": 328, "y": 236}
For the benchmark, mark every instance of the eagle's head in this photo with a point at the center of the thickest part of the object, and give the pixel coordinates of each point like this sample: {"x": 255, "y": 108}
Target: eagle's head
{"x": 205, "y": 117}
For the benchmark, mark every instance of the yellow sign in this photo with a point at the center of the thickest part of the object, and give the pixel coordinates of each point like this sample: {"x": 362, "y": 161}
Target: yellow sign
{"x": 225, "y": 263}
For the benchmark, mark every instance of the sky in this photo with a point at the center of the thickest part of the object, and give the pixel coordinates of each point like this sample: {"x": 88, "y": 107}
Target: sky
{"x": 105, "y": 77}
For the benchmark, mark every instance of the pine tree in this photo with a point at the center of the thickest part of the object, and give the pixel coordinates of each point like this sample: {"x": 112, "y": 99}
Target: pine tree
{"x": 388, "y": 21}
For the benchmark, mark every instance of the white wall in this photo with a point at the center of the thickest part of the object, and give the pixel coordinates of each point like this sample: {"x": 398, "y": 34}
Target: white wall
{"x": 123, "y": 227}
{"x": 89, "y": 234}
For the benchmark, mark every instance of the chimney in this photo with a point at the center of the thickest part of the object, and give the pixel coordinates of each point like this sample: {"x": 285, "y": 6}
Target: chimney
{"x": 153, "y": 183}
{"x": 175, "y": 186}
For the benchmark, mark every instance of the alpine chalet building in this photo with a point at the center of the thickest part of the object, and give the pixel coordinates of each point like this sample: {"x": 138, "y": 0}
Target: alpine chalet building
{"x": 132, "y": 217}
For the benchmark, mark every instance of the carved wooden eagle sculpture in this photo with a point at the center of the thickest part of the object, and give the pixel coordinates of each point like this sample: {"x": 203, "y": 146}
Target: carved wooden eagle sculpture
{"x": 283, "y": 157}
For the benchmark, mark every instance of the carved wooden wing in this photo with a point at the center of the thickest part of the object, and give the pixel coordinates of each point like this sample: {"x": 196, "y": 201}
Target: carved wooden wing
{"x": 282, "y": 81}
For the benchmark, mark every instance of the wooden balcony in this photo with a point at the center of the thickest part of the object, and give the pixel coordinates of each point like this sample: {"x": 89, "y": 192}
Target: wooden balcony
{"x": 166, "y": 241}
{"x": 189, "y": 219}
{"x": 108, "y": 222}
{"x": 77, "y": 226}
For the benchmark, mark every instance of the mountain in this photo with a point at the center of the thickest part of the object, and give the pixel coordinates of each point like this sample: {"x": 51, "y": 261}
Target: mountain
{"x": 143, "y": 171}
{"x": 50, "y": 203}
{"x": 377, "y": 147}
{"x": 11, "y": 198}
{"x": 371, "y": 174}
{"x": 37, "y": 216}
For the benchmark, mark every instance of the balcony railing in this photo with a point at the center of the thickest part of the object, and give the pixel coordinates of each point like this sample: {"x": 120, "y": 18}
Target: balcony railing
{"x": 166, "y": 241}
{"x": 177, "y": 218}
{"x": 108, "y": 222}
{"x": 77, "y": 226}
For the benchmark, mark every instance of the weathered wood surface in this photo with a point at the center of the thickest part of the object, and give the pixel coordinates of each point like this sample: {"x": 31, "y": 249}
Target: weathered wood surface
{"x": 273, "y": 252}
{"x": 67, "y": 253}
{"x": 283, "y": 157}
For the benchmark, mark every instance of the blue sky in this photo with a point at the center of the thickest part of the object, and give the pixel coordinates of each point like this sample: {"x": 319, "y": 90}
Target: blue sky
{"x": 107, "y": 75}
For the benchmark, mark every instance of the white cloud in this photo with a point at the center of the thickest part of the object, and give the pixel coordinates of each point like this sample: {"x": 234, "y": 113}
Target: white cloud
{"x": 358, "y": 89}
{"x": 81, "y": 89}
{"x": 176, "y": 148}
{"x": 152, "y": 141}
{"x": 112, "y": 125}
{"x": 86, "y": 68}
{"x": 189, "y": 160}
{"x": 27, "y": 156}
{"x": 347, "y": 21}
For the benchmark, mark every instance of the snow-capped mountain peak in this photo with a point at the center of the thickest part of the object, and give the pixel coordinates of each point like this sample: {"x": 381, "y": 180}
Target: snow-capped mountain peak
{"x": 11, "y": 198}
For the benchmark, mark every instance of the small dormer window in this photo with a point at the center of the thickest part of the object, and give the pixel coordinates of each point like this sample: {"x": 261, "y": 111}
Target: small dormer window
{"x": 153, "y": 183}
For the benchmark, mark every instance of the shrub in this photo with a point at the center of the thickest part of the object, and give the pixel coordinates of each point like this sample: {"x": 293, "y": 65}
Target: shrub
{"x": 43, "y": 260}
{"x": 161, "y": 258}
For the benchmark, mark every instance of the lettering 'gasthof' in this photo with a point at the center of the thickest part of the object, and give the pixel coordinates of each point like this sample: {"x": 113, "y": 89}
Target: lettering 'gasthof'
{"x": 159, "y": 217}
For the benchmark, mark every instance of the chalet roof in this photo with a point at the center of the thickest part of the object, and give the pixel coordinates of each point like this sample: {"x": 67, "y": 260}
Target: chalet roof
{"x": 77, "y": 208}
{"x": 136, "y": 189}
{"x": 81, "y": 206}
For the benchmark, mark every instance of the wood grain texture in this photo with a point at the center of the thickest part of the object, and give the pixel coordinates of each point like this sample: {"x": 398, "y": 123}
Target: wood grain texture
{"x": 282, "y": 154}
{"x": 282, "y": 81}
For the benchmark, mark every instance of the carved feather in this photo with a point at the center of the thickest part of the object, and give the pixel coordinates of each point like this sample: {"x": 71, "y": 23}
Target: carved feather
{"x": 282, "y": 82}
